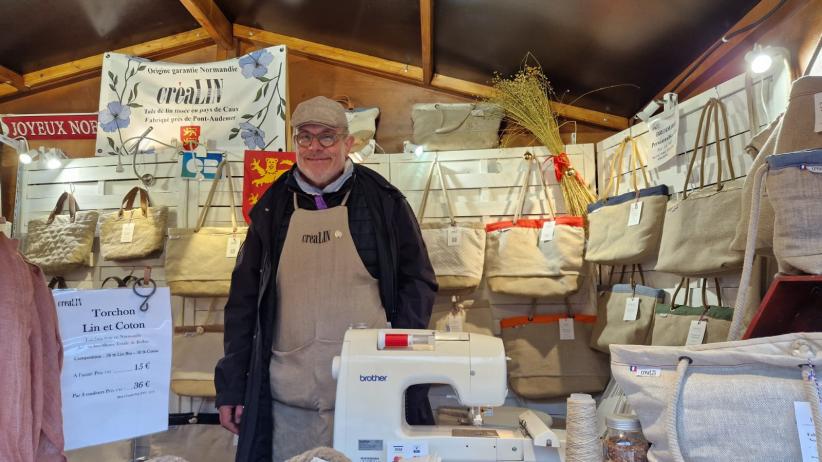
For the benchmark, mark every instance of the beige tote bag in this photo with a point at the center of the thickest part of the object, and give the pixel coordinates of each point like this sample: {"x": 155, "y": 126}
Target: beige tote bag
{"x": 625, "y": 314}
{"x": 520, "y": 262}
{"x": 195, "y": 351}
{"x": 673, "y": 323}
{"x": 543, "y": 365}
{"x": 199, "y": 261}
{"x": 471, "y": 316}
{"x": 699, "y": 227}
{"x": 730, "y": 401}
{"x": 456, "y": 250}
{"x": 626, "y": 228}
{"x": 62, "y": 243}
{"x": 446, "y": 127}
{"x": 131, "y": 234}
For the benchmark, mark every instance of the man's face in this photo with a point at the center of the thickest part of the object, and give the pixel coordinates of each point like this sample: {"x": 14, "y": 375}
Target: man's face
{"x": 319, "y": 164}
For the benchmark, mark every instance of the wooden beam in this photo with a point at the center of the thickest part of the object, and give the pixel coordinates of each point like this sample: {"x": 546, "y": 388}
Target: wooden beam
{"x": 331, "y": 54}
{"x": 406, "y": 73}
{"x": 209, "y": 15}
{"x": 12, "y": 78}
{"x": 591, "y": 116}
{"x": 731, "y": 47}
{"x": 427, "y": 33}
{"x": 93, "y": 64}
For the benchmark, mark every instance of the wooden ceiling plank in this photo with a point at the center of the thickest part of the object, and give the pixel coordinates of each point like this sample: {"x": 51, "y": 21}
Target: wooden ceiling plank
{"x": 209, "y": 15}
{"x": 93, "y": 64}
{"x": 427, "y": 33}
{"x": 12, "y": 78}
{"x": 591, "y": 116}
{"x": 331, "y": 54}
{"x": 718, "y": 56}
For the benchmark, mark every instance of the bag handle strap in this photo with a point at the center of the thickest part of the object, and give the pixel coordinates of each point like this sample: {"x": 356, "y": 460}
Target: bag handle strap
{"x": 128, "y": 201}
{"x": 735, "y": 331}
{"x": 58, "y": 207}
{"x": 58, "y": 282}
{"x": 532, "y": 162}
{"x": 345, "y": 100}
{"x": 421, "y": 212}
{"x": 459, "y": 121}
{"x": 683, "y": 283}
{"x": 616, "y": 161}
{"x": 637, "y": 164}
{"x": 224, "y": 167}
{"x": 711, "y": 113}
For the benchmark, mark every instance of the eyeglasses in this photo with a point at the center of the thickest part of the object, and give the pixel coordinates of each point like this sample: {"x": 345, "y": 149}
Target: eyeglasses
{"x": 326, "y": 140}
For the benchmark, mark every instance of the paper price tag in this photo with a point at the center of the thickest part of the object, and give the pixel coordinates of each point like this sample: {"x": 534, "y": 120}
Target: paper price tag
{"x": 456, "y": 321}
{"x": 566, "y": 329}
{"x": 696, "y": 334}
{"x": 631, "y": 309}
{"x": 807, "y": 432}
{"x": 454, "y": 236}
{"x": 547, "y": 233}
{"x": 636, "y": 214}
{"x": 503, "y": 239}
{"x": 817, "y": 104}
{"x": 127, "y": 233}
{"x": 233, "y": 247}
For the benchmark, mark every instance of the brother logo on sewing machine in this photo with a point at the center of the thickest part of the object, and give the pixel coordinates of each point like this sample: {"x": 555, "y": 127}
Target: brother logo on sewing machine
{"x": 373, "y": 378}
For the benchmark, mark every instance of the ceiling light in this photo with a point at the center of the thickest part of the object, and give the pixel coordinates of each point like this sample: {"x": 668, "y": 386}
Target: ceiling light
{"x": 761, "y": 63}
{"x": 761, "y": 59}
{"x": 25, "y": 158}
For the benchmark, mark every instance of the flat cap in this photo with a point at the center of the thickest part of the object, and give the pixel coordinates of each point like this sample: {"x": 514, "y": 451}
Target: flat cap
{"x": 320, "y": 110}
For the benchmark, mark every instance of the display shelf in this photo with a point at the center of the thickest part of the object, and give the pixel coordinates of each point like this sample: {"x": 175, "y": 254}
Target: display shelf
{"x": 792, "y": 304}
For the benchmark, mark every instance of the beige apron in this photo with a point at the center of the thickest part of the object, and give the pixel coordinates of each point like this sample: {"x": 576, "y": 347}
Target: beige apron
{"x": 323, "y": 289}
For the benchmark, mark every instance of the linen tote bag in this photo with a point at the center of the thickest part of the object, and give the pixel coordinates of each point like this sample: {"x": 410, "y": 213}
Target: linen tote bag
{"x": 547, "y": 364}
{"x": 536, "y": 258}
{"x": 729, "y": 401}
{"x": 463, "y": 316}
{"x": 625, "y": 314}
{"x": 456, "y": 250}
{"x": 193, "y": 437}
{"x": 699, "y": 227}
{"x": 195, "y": 351}
{"x": 62, "y": 243}
{"x": 129, "y": 233}
{"x": 445, "y": 127}
{"x": 362, "y": 122}
{"x": 626, "y": 228}
{"x": 673, "y": 323}
{"x": 199, "y": 261}
{"x": 794, "y": 183}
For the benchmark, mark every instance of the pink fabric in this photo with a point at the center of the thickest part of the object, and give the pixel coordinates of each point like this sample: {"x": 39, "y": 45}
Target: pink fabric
{"x": 31, "y": 356}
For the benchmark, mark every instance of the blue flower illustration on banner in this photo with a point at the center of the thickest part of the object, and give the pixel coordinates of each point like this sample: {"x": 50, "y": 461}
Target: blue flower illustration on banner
{"x": 115, "y": 116}
{"x": 253, "y": 137}
{"x": 255, "y": 64}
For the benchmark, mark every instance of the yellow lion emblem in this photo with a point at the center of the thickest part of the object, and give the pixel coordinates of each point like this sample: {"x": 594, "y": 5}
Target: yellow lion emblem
{"x": 273, "y": 169}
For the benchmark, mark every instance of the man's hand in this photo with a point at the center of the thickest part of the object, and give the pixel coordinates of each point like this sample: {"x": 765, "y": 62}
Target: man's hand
{"x": 230, "y": 417}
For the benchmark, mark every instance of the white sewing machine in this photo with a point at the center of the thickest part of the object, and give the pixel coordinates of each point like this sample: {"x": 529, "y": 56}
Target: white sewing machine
{"x": 377, "y": 366}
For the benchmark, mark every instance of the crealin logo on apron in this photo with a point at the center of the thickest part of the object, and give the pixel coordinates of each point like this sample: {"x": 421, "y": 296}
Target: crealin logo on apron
{"x": 321, "y": 237}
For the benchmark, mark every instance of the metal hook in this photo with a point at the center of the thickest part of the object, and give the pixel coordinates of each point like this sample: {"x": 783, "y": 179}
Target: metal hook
{"x": 138, "y": 283}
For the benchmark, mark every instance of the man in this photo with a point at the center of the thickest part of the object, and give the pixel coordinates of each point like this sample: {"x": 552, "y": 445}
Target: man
{"x": 331, "y": 245}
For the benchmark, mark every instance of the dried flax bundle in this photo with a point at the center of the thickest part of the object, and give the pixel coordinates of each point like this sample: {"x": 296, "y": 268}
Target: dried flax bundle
{"x": 525, "y": 97}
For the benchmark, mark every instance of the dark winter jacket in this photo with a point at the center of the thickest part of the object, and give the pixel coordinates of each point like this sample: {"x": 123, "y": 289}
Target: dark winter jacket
{"x": 388, "y": 240}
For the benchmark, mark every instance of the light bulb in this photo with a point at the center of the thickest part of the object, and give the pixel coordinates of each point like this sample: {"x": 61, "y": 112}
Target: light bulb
{"x": 53, "y": 163}
{"x": 761, "y": 63}
{"x": 418, "y": 151}
{"x": 25, "y": 158}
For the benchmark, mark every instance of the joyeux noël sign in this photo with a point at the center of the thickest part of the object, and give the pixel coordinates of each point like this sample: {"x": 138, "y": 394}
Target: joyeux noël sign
{"x": 239, "y": 104}
{"x": 50, "y": 126}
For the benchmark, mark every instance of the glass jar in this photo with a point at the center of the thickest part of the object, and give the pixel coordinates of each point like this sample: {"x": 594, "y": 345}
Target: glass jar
{"x": 624, "y": 441}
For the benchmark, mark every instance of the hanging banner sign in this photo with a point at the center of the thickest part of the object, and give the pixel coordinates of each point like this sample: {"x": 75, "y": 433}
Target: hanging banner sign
{"x": 237, "y": 104}
{"x": 260, "y": 170}
{"x": 664, "y": 133}
{"x": 50, "y": 126}
{"x": 116, "y": 365}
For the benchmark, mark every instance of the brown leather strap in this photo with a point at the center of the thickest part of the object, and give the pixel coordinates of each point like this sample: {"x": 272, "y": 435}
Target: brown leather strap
{"x": 345, "y": 100}
{"x": 128, "y": 201}
{"x": 711, "y": 113}
{"x": 58, "y": 208}
{"x": 58, "y": 282}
